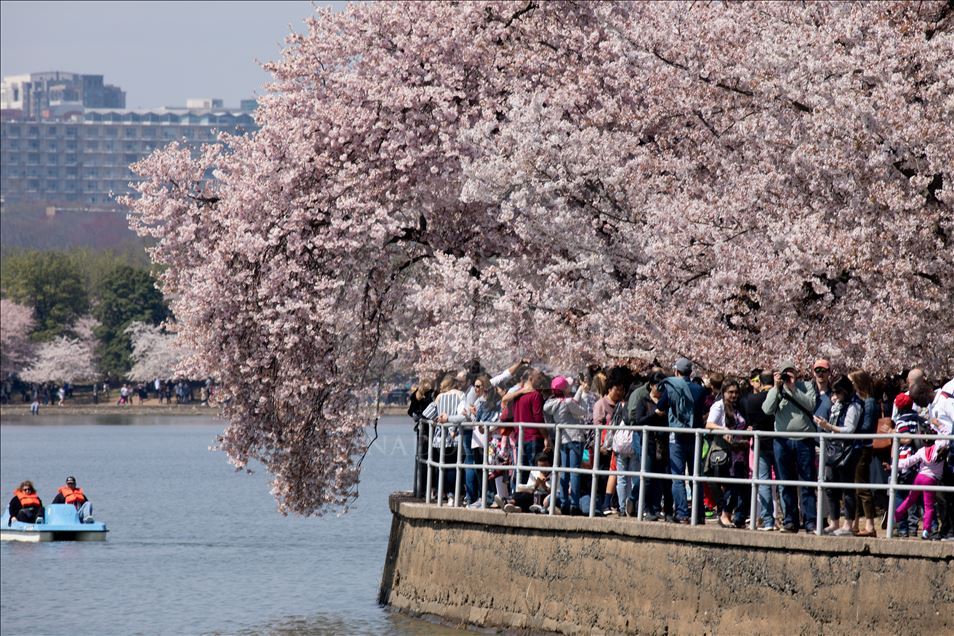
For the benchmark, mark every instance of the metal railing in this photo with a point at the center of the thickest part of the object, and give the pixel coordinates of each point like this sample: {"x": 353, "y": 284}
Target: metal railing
{"x": 694, "y": 473}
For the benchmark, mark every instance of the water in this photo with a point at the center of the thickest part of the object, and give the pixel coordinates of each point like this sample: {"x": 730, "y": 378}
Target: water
{"x": 194, "y": 547}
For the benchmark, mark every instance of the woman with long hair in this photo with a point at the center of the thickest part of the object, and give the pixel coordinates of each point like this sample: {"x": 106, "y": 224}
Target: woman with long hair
{"x": 729, "y": 455}
{"x": 864, "y": 389}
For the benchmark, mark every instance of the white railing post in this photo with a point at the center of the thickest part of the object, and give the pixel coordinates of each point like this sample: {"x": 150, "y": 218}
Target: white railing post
{"x": 457, "y": 471}
{"x": 754, "y": 497}
{"x": 696, "y": 458}
{"x": 643, "y": 454}
{"x": 485, "y": 454}
{"x": 821, "y": 480}
{"x": 440, "y": 463}
{"x": 519, "y": 458}
{"x": 595, "y": 467}
{"x": 555, "y": 477}
{"x": 892, "y": 492}
{"x": 430, "y": 453}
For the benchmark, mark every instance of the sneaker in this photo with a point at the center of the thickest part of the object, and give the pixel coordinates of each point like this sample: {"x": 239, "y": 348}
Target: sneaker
{"x": 630, "y": 508}
{"x": 537, "y": 509}
{"x": 767, "y": 528}
{"x": 925, "y": 535}
{"x": 842, "y": 532}
{"x": 948, "y": 537}
{"x": 710, "y": 514}
{"x": 669, "y": 519}
{"x": 477, "y": 505}
{"x": 498, "y": 502}
{"x": 89, "y": 520}
{"x": 650, "y": 516}
{"x": 510, "y": 508}
{"x": 788, "y": 528}
{"x": 611, "y": 512}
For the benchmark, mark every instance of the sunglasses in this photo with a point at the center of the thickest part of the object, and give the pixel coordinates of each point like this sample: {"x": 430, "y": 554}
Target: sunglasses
{"x": 821, "y": 370}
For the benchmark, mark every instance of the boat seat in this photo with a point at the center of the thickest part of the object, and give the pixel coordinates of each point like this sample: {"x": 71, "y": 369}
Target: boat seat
{"x": 62, "y": 515}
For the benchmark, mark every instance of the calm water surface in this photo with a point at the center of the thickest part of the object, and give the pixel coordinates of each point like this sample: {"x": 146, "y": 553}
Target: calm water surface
{"x": 194, "y": 547}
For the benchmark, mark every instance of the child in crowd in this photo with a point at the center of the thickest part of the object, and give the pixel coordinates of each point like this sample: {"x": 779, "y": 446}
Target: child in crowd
{"x": 930, "y": 461}
{"x": 907, "y": 422}
{"x": 534, "y": 496}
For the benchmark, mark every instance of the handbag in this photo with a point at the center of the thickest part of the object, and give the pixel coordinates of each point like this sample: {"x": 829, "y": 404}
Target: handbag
{"x": 838, "y": 453}
{"x": 885, "y": 425}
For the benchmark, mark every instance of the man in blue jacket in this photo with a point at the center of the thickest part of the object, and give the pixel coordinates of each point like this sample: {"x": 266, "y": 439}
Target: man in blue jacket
{"x": 682, "y": 402}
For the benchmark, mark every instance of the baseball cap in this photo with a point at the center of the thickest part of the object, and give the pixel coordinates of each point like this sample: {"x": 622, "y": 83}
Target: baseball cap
{"x": 683, "y": 365}
{"x": 785, "y": 365}
{"x": 821, "y": 363}
{"x": 559, "y": 383}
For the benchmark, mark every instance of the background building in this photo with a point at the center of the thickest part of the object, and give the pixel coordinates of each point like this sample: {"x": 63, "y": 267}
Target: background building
{"x": 82, "y": 158}
{"x": 39, "y": 96}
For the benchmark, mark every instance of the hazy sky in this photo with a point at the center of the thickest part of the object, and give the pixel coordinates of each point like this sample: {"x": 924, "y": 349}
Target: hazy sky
{"x": 160, "y": 53}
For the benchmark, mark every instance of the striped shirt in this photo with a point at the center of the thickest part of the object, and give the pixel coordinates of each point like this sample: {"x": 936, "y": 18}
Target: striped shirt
{"x": 444, "y": 404}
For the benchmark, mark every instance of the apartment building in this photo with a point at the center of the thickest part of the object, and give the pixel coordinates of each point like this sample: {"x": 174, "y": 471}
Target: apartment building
{"x": 82, "y": 159}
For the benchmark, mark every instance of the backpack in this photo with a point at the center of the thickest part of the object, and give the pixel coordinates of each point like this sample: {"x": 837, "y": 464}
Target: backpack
{"x": 622, "y": 440}
{"x": 682, "y": 406}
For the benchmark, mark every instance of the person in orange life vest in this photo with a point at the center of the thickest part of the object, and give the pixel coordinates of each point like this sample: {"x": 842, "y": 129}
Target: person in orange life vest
{"x": 72, "y": 495}
{"x": 25, "y": 505}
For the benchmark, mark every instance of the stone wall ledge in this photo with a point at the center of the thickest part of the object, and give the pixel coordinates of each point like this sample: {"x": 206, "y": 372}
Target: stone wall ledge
{"x": 403, "y": 505}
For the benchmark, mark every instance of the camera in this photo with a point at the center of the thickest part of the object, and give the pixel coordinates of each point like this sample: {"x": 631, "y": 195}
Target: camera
{"x": 787, "y": 378}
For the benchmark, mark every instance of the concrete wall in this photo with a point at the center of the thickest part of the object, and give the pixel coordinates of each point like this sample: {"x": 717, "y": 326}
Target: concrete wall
{"x": 577, "y": 575}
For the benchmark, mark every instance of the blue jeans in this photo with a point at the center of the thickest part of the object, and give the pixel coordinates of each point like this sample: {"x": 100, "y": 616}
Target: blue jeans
{"x": 796, "y": 461}
{"x": 529, "y": 456}
{"x": 627, "y": 487}
{"x": 680, "y": 455}
{"x": 571, "y": 456}
{"x": 470, "y": 475}
{"x": 766, "y": 463}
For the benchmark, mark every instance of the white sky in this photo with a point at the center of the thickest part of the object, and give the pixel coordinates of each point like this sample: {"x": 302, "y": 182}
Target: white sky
{"x": 160, "y": 53}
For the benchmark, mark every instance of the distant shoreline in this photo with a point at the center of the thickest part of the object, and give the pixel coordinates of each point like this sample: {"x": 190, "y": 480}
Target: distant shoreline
{"x": 161, "y": 410}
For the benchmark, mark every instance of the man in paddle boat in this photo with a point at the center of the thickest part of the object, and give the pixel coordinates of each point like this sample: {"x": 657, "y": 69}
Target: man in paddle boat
{"x": 71, "y": 494}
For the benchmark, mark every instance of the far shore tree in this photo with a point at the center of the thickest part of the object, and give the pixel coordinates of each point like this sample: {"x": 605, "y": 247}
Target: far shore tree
{"x": 50, "y": 284}
{"x": 155, "y": 353}
{"x": 732, "y": 182}
{"x": 60, "y": 360}
{"x": 125, "y": 295}
{"x": 16, "y": 323}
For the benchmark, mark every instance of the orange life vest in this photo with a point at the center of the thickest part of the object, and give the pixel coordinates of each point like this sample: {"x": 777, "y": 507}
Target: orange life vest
{"x": 27, "y": 500}
{"x": 73, "y": 496}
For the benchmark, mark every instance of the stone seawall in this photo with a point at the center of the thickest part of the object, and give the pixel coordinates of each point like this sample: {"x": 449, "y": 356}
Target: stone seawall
{"x": 577, "y": 575}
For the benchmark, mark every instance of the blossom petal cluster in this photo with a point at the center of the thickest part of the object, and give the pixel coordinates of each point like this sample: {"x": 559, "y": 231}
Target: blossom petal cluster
{"x": 731, "y": 182}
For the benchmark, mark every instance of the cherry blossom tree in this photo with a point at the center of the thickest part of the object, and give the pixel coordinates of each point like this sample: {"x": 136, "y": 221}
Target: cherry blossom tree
{"x": 733, "y": 182}
{"x": 156, "y": 354}
{"x": 62, "y": 359}
{"x": 16, "y": 323}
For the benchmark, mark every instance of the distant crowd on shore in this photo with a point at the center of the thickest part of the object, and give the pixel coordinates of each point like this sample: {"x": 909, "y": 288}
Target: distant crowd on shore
{"x": 109, "y": 391}
{"x": 475, "y": 410}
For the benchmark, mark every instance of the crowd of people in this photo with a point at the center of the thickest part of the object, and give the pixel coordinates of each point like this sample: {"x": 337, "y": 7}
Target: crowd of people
{"x": 168, "y": 391}
{"x": 474, "y": 414}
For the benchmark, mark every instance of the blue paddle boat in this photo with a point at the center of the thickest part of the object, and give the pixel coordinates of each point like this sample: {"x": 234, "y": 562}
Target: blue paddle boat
{"x": 60, "y": 523}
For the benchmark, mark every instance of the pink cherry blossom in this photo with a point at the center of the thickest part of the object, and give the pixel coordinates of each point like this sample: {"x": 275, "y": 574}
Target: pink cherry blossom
{"x": 732, "y": 182}
{"x": 16, "y": 322}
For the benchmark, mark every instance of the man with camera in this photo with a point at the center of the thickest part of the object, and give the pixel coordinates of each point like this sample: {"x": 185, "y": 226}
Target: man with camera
{"x": 792, "y": 402}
